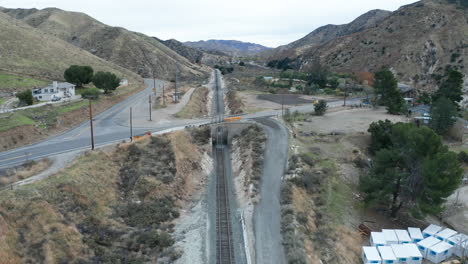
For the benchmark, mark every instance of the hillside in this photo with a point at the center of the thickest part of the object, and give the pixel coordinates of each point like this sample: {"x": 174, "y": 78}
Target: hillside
{"x": 134, "y": 51}
{"x": 195, "y": 55}
{"x": 28, "y": 51}
{"x": 417, "y": 42}
{"x": 230, "y": 47}
{"x": 329, "y": 32}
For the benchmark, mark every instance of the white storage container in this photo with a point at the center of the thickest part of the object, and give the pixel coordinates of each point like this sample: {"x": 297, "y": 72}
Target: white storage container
{"x": 377, "y": 239}
{"x": 415, "y": 234}
{"x": 425, "y": 244}
{"x": 401, "y": 253}
{"x": 415, "y": 257}
{"x": 386, "y": 253}
{"x": 403, "y": 236}
{"x": 439, "y": 252}
{"x": 370, "y": 255}
{"x": 431, "y": 230}
{"x": 445, "y": 234}
{"x": 390, "y": 236}
{"x": 460, "y": 245}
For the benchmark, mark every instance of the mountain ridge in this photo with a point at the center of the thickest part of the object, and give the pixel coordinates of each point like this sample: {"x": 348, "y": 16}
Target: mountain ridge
{"x": 231, "y": 47}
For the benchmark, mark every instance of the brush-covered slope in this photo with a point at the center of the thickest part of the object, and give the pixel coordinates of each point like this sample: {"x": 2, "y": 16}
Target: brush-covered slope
{"x": 230, "y": 47}
{"x": 131, "y": 50}
{"x": 25, "y": 50}
{"x": 330, "y": 32}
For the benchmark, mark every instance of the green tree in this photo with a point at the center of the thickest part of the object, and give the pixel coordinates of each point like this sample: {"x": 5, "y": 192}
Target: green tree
{"x": 79, "y": 75}
{"x": 387, "y": 87}
{"x": 25, "y": 97}
{"x": 106, "y": 80}
{"x": 320, "y": 108}
{"x": 451, "y": 87}
{"x": 405, "y": 170}
{"x": 380, "y": 135}
{"x": 91, "y": 93}
{"x": 318, "y": 74}
{"x": 443, "y": 115}
{"x": 334, "y": 83}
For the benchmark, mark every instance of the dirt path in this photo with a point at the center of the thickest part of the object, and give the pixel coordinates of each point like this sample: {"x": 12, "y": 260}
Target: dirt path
{"x": 267, "y": 216}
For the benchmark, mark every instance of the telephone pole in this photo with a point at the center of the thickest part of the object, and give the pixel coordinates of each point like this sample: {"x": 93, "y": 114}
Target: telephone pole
{"x": 150, "y": 108}
{"x": 176, "y": 81}
{"x": 163, "y": 96}
{"x": 91, "y": 125}
{"x": 131, "y": 128}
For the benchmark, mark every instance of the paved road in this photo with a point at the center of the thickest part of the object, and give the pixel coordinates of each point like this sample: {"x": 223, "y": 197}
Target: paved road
{"x": 267, "y": 216}
{"x": 109, "y": 130}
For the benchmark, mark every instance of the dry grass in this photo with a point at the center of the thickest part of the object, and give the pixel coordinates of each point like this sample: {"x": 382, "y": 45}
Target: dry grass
{"x": 197, "y": 106}
{"x": 24, "y": 171}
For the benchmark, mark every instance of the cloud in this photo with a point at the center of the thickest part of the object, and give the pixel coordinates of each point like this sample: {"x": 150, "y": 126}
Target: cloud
{"x": 268, "y": 22}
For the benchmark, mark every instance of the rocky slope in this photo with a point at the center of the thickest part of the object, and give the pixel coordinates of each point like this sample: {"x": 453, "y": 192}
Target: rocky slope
{"x": 329, "y": 32}
{"x": 25, "y": 50}
{"x": 230, "y": 47}
{"x": 417, "y": 42}
{"x": 195, "y": 55}
{"x": 134, "y": 51}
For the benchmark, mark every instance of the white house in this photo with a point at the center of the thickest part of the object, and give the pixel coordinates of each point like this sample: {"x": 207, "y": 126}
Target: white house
{"x": 388, "y": 257}
{"x": 55, "y": 91}
{"x": 439, "y": 252}
{"x": 123, "y": 82}
{"x": 370, "y": 255}
{"x": 415, "y": 234}
{"x": 377, "y": 239}
{"x": 431, "y": 230}
{"x": 425, "y": 244}
{"x": 460, "y": 244}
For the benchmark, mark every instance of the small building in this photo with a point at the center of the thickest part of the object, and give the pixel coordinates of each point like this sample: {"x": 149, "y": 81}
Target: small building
{"x": 431, "y": 230}
{"x": 403, "y": 236}
{"x": 415, "y": 234}
{"x": 439, "y": 252}
{"x": 55, "y": 91}
{"x": 460, "y": 245}
{"x": 445, "y": 234}
{"x": 387, "y": 255}
{"x": 390, "y": 236}
{"x": 406, "y": 90}
{"x": 426, "y": 243}
{"x": 415, "y": 256}
{"x": 268, "y": 78}
{"x": 123, "y": 82}
{"x": 377, "y": 239}
{"x": 401, "y": 253}
{"x": 370, "y": 255}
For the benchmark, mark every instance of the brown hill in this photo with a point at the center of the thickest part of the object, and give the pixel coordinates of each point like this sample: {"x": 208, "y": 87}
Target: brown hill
{"x": 131, "y": 50}
{"x": 417, "y": 42}
{"x": 230, "y": 47}
{"x": 25, "y": 50}
{"x": 195, "y": 55}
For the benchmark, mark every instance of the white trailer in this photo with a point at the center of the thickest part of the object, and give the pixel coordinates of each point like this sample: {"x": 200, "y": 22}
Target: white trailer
{"x": 431, "y": 230}
{"x": 377, "y": 239}
{"x": 415, "y": 257}
{"x": 460, "y": 245}
{"x": 446, "y": 234}
{"x": 415, "y": 234}
{"x": 439, "y": 252}
{"x": 387, "y": 255}
{"x": 401, "y": 253}
{"x": 390, "y": 236}
{"x": 426, "y": 243}
{"x": 403, "y": 236}
{"x": 370, "y": 255}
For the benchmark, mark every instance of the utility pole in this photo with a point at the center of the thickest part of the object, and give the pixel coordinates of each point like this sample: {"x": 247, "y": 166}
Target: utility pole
{"x": 346, "y": 93}
{"x": 163, "y": 96}
{"x": 154, "y": 83}
{"x": 91, "y": 125}
{"x": 150, "y": 108}
{"x": 176, "y": 81}
{"x": 131, "y": 128}
{"x": 282, "y": 104}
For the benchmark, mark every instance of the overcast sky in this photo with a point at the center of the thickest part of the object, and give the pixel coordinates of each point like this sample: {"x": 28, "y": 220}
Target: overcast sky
{"x": 267, "y": 22}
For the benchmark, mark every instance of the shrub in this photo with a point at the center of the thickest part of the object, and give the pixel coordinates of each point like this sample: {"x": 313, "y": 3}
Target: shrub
{"x": 463, "y": 157}
{"x": 91, "y": 93}
{"x": 25, "y": 97}
{"x": 320, "y": 108}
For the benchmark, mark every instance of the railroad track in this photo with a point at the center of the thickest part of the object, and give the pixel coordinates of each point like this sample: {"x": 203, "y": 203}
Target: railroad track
{"x": 224, "y": 245}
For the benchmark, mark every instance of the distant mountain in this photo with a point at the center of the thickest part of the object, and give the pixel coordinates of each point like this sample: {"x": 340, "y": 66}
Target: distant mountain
{"x": 25, "y": 50}
{"x": 417, "y": 42}
{"x": 329, "y": 32}
{"x": 229, "y": 47}
{"x": 131, "y": 50}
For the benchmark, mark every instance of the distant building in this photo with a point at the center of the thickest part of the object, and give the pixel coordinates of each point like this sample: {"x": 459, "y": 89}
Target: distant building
{"x": 406, "y": 90}
{"x": 55, "y": 91}
{"x": 421, "y": 114}
{"x": 124, "y": 82}
{"x": 268, "y": 78}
